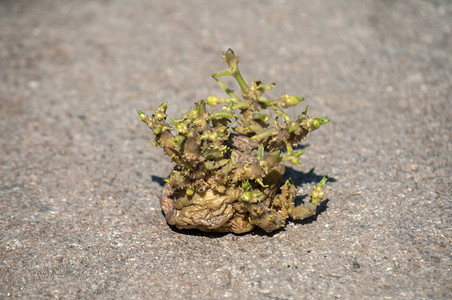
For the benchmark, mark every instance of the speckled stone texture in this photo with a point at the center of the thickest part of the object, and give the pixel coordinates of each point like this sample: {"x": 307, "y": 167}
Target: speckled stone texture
{"x": 80, "y": 180}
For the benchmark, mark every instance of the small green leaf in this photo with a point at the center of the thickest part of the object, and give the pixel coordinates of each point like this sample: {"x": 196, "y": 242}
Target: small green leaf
{"x": 263, "y": 135}
{"x": 222, "y": 114}
{"x": 258, "y": 180}
{"x": 283, "y": 114}
{"x": 212, "y": 100}
{"x": 260, "y": 152}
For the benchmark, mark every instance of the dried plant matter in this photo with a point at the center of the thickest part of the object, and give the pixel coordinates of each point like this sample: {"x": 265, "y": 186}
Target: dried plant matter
{"x": 229, "y": 163}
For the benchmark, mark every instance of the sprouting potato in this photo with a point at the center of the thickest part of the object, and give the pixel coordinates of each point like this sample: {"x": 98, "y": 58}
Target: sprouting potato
{"x": 229, "y": 163}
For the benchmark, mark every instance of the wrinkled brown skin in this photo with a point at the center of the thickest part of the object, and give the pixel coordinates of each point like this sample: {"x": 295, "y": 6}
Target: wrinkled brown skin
{"x": 212, "y": 211}
{"x": 224, "y": 219}
{"x": 229, "y": 214}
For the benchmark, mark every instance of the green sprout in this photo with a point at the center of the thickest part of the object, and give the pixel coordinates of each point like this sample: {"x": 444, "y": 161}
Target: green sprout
{"x": 229, "y": 163}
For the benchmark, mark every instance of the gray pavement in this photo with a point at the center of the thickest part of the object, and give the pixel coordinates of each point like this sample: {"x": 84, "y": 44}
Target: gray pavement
{"x": 80, "y": 180}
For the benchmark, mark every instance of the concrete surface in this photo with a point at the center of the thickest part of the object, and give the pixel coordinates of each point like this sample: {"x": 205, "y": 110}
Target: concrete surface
{"x": 80, "y": 180}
